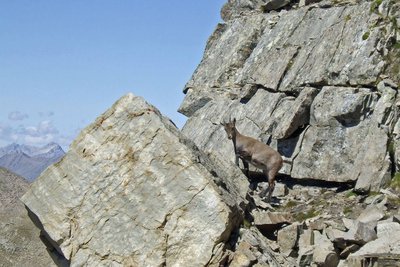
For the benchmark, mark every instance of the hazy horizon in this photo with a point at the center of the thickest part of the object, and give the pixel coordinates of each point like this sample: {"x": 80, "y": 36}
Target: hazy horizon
{"x": 65, "y": 63}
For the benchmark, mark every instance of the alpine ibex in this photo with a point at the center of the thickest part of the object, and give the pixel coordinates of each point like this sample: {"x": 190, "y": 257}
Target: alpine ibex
{"x": 252, "y": 151}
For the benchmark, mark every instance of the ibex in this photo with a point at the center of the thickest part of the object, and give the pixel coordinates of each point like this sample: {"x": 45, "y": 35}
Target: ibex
{"x": 252, "y": 151}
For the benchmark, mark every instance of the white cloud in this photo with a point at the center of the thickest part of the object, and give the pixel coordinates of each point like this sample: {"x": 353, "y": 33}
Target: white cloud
{"x": 44, "y": 128}
{"x": 17, "y": 116}
{"x": 43, "y": 133}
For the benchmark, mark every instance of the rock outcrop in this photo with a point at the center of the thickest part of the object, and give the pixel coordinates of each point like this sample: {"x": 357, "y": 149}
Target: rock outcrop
{"x": 318, "y": 81}
{"x": 315, "y": 78}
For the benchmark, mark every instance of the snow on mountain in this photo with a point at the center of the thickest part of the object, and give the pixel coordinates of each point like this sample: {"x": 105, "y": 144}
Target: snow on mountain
{"x": 29, "y": 161}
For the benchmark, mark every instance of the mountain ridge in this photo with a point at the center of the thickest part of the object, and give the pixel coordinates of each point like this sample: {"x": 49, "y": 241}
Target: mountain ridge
{"x": 29, "y": 161}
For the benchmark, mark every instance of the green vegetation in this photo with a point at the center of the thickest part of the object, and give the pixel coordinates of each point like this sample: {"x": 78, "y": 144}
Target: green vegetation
{"x": 291, "y": 204}
{"x": 373, "y": 193}
{"x": 347, "y": 18}
{"x": 391, "y": 147}
{"x": 302, "y": 216}
{"x": 374, "y": 6}
{"x": 246, "y": 224}
{"x": 395, "y": 183}
{"x": 347, "y": 210}
{"x": 393, "y": 62}
{"x": 351, "y": 193}
{"x": 365, "y": 35}
{"x": 394, "y": 202}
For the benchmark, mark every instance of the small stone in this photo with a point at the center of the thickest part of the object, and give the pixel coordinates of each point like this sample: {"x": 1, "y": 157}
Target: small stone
{"x": 324, "y": 253}
{"x": 305, "y": 256}
{"x": 307, "y": 2}
{"x": 374, "y": 199}
{"x": 336, "y": 236}
{"x": 280, "y": 190}
{"x": 244, "y": 255}
{"x": 350, "y": 249}
{"x": 388, "y": 193}
{"x": 270, "y": 218}
{"x": 348, "y": 223}
{"x": 390, "y": 83}
{"x": 274, "y": 246}
{"x": 306, "y": 238}
{"x": 388, "y": 229}
{"x": 361, "y": 233}
{"x": 335, "y": 225}
{"x": 274, "y": 4}
{"x": 371, "y": 213}
{"x": 287, "y": 238}
{"x": 317, "y": 224}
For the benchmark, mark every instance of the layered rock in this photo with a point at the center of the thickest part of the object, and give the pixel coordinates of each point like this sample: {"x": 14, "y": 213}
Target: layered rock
{"x": 309, "y": 81}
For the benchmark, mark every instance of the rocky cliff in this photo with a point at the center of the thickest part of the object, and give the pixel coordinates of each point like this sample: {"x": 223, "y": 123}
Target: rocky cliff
{"x": 317, "y": 80}
{"x": 320, "y": 80}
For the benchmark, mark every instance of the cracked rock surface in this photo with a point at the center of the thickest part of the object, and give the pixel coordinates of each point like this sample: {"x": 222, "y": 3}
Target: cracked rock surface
{"x": 132, "y": 191}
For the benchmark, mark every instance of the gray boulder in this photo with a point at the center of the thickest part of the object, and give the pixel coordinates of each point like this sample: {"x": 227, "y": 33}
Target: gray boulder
{"x": 288, "y": 237}
{"x": 371, "y": 214}
{"x": 235, "y": 8}
{"x": 383, "y": 250}
{"x": 274, "y": 4}
{"x": 361, "y": 233}
{"x": 387, "y": 229}
{"x": 324, "y": 252}
{"x": 270, "y": 220}
{"x": 133, "y": 191}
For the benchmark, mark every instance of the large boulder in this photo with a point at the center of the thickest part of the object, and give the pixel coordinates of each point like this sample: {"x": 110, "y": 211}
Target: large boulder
{"x": 133, "y": 191}
{"x": 343, "y": 121}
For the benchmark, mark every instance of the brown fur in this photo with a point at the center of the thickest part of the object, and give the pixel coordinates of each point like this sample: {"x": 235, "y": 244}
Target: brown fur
{"x": 258, "y": 154}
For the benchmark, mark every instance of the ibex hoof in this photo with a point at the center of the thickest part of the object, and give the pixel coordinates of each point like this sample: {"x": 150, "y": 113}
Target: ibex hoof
{"x": 253, "y": 186}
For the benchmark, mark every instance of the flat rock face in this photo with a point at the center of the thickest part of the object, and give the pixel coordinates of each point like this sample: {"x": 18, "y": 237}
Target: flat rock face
{"x": 286, "y": 50}
{"x": 132, "y": 191}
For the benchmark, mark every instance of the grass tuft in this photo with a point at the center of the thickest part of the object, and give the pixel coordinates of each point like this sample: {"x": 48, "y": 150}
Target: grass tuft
{"x": 302, "y": 216}
{"x": 365, "y": 36}
{"x": 395, "y": 183}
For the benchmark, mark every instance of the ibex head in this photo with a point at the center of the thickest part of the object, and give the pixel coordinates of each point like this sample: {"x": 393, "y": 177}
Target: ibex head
{"x": 230, "y": 128}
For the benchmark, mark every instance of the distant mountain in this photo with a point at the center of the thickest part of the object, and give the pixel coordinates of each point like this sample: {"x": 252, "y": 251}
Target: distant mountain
{"x": 29, "y": 161}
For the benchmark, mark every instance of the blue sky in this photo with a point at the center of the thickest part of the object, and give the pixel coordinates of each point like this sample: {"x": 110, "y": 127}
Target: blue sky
{"x": 63, "y": 63}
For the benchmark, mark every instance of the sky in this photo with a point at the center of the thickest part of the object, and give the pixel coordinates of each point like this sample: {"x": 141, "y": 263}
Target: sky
{"x": 64, "y": 63}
